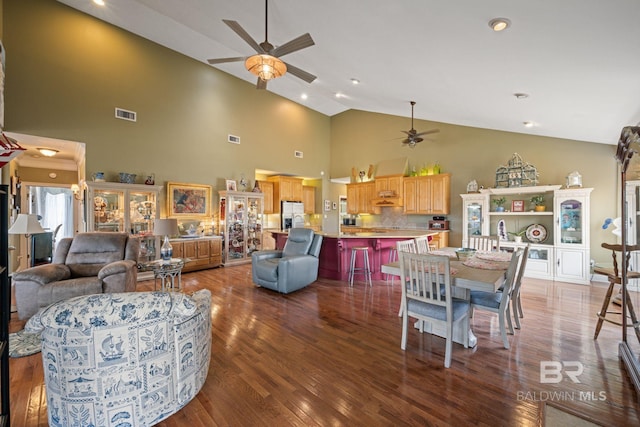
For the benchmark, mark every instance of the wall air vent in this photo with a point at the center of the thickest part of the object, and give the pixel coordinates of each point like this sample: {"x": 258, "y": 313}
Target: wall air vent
{"x": 233, "y": 139}
{"x": 125, "y": 114}
{"x": 298, "y": 154}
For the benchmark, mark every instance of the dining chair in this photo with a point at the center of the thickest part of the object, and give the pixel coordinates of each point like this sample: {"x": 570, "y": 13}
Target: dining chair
{"x": 404, "y": 246}
{"x": 516, "y": 305}
{"x": 484, "y": 243}
{"x": 424, "y": 276}
{"x": 422, "y": 244}
{"x": 498, "y": 302}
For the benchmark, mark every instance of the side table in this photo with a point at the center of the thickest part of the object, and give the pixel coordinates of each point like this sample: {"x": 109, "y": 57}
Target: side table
{"x": 167, "y": 271}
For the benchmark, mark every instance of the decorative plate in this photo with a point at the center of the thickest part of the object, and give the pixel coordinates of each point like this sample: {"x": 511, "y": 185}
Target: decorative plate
{"x": 536, "y": 233}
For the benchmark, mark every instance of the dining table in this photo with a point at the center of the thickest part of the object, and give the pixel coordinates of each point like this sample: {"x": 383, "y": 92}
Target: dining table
{"x": 481, "y": 272}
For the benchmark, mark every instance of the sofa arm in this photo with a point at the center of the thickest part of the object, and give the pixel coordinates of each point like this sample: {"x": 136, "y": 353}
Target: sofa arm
{"x": 115, "y": 267}
{"x": 262, "y": 255}
{"x": 43, "y": 274}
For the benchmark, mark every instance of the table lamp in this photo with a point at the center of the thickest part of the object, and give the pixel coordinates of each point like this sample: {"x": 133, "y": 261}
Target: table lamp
{"x": 26, "y": 224}
{"x": 166, "y": 227}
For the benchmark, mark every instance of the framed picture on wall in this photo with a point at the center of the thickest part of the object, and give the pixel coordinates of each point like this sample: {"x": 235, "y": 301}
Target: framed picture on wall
{"x": 517, "y": 206}
{"x": 188, "y": 200}
{"x": 327, "y": 205}
{"x": 231, "y": 185}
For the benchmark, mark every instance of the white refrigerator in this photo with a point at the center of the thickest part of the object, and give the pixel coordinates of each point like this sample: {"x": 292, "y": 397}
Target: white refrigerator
{"x": 292, "y": 215}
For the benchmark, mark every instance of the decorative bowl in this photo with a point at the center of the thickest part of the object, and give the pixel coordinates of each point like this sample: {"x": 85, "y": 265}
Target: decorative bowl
{"x": 127, "y": 178}
{"x": 464, "y": 254}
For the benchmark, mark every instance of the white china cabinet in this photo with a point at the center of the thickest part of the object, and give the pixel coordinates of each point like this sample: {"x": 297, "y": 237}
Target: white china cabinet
{"x": 131, "y": 208}
{"x": 559, "y": 234}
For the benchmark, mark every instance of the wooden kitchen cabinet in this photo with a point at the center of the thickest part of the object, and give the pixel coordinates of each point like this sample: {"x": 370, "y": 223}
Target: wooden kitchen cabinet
{"x": 309, "y": 199}
{"x": 285, "y": 188}
{"x": 429, "y": 194}
{"x": 393, "y": 184}
{"x": 359, "y": 197}
{"x": 267, "y": 189}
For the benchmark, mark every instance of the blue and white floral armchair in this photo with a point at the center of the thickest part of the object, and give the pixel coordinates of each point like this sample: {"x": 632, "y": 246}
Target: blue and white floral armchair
{"x": 123, "y": 359}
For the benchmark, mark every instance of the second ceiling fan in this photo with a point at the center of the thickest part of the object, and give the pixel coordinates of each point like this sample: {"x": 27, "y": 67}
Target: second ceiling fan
{"x": 413, "y": 136}
{"x": 266, "y": 63}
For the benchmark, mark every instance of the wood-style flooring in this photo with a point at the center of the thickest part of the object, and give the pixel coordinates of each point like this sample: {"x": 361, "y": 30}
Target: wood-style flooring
{"x": 329, "y": 355}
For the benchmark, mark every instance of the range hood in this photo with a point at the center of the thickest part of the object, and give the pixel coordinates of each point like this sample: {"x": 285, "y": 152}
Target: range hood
{"x": 387, "y": 199}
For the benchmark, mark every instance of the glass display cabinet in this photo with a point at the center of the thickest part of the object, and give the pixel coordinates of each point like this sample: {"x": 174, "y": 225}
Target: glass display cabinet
{"x": 474, "y": 208}
{"x": 131, "y": 208}
{"x": 241, "y": 217}
{"x": 571, "y": 208}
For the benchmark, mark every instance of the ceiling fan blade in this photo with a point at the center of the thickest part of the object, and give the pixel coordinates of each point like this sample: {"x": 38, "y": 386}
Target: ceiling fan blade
{"x": 223, "y": 60}
{"x": 301, "y": 74}
{"x": 262, "y": 84}
{"x": 427, "y": 132}
{"x": 294, "y": 45}
{"x": 243, "y": 35}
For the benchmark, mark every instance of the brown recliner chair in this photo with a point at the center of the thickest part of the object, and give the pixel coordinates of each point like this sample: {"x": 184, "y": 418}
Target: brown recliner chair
{"x": 89, "y": 263}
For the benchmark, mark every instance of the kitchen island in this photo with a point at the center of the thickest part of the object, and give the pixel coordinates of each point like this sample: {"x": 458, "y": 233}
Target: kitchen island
{"x": 335, "y": 255}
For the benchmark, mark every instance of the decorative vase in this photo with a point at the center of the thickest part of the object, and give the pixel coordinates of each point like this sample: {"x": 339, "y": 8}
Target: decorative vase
{"x": 499, "y": 208}
{"x": 517, "y": 239}
{"x": 541, "y": 208}
{"x": 166, "y": 250}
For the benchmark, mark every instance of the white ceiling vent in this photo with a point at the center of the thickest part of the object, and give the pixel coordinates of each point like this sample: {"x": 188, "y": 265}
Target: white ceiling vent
{"x": 298, "y": 154}
{"x": 233, "y": 139}
{"x": 125, "y": 114}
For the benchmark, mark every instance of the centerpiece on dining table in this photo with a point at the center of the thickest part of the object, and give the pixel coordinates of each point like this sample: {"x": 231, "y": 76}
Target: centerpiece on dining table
{"x": 464, "y": 254}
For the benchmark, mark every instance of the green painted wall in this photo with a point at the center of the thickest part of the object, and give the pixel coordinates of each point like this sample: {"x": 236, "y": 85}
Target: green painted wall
{"x": 360, "y": 138}
{"x": 67, "y": 71}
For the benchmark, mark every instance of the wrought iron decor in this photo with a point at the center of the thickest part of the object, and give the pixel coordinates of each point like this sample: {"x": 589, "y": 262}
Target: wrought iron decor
{"x": 517, "y": 173}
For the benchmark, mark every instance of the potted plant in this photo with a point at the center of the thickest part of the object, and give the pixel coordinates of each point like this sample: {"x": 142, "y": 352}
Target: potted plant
{"x": 517, "y": 235}
{"x": 538, "y": 201}
{"x": 499, "y": 202}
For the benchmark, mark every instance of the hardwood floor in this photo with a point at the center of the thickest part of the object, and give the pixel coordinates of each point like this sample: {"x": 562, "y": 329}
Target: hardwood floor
{"x": 330, "y": 355}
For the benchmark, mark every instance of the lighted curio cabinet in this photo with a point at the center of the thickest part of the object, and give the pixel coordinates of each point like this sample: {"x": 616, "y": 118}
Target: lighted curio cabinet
{"x": 241, "y": 218}
{"x": 633, "y": 228}
{"x": 429, "y": 194}
{"x": 131, "y": 208}
{"x": 559, "y": 235}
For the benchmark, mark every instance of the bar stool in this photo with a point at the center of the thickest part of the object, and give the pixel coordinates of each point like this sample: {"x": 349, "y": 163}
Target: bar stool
{"x": 365, "y": 269}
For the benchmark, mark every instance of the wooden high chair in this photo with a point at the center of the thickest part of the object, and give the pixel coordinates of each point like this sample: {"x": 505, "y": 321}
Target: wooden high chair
{"x": 615, "y": 277}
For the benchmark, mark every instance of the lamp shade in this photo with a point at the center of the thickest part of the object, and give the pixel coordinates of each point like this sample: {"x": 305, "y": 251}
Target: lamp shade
{"x": 165, "y": 227}
{"x": 26, "y": 224}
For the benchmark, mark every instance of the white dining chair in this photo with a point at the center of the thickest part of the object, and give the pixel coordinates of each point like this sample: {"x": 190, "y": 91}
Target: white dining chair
{"x": 422, "y": 244}
{"x": 484, "y": 243}
{"x": 516, "y": 305}
{"x": 498, "y": 302}
{"x": 404, "y": 246}
{"x": 425, "y": 275}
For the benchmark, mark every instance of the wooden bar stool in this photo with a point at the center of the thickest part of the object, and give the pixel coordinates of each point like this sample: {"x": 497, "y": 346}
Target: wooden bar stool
{"x": 365, "y": 269}
{"x": 615, "y": 278}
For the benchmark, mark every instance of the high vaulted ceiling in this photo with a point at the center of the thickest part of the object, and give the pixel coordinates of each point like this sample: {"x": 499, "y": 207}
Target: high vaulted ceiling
{"x": 578, "y": 60}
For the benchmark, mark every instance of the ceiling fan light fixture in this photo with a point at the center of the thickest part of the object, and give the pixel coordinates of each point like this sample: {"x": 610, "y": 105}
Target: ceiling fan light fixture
{"x": 266, "y": 67}
{"x": 499, "y": 24}
{"x": 49, "y": 152}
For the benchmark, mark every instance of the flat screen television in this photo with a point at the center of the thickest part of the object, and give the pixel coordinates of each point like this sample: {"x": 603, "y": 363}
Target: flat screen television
{"x": 41, "y": 248}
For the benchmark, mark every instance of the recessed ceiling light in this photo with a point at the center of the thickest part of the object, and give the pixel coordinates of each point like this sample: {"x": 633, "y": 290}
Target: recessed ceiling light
{"x": 49, "y": 152}
{"x": 99, "y": 2}
{"x": 355, "y": 81}
{"x": 520, "y": 95}
{"x": 528, "y": 124}
{"x": 339, "y": 95}
{"x": 304, "y": 96}
{"x": 499, "y": 24}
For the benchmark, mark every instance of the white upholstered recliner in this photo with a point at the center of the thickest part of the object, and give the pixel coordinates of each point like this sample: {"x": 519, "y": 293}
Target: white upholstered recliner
{"x": 89, "y": 263}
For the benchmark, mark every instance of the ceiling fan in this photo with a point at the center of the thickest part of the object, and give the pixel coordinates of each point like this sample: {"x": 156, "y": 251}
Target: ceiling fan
{"x": 266, "y": 64}
{"x": 413, "y": 137}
